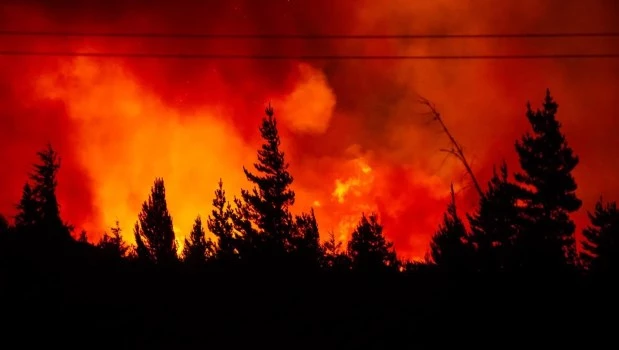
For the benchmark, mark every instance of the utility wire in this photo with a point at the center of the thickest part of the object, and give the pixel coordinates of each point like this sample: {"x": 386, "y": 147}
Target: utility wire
{"x": 181, "y": 56}
{"x": 7, "y": 33}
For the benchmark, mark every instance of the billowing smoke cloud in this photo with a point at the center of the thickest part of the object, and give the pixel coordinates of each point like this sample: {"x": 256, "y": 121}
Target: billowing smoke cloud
{"x": 308, "y": 108}
{"x": 354, "y": 134}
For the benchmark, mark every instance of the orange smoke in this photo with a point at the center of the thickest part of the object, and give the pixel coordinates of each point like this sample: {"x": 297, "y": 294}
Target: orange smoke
{"x": 352, "y": 131}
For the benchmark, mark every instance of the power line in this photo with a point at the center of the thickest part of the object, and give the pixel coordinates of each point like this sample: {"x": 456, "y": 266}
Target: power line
{"x": 309, "y": 36}
{"x": 180, "y": 56}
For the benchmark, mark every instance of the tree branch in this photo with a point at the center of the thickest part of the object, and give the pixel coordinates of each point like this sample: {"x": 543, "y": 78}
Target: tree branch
{"x": 457, "y": 149}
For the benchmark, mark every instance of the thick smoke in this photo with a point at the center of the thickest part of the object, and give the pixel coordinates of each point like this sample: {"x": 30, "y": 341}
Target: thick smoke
{"x": 356, "y": 138}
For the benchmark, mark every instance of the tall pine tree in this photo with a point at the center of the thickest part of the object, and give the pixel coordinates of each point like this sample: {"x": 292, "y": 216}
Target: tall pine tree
{"x": 547, "y": 163}
{"x": 154, "y": 233}
{"x": 495, "y": 225}
{"x": 38, "y": 210}
{"x": 267, "y": 205}
{"x": 197, "y": 248}
{"x": 600, "y": 248}
{"x": 220, "y": 223}
{"x": 449, "y": 247}
{"x": 368, "y": 248}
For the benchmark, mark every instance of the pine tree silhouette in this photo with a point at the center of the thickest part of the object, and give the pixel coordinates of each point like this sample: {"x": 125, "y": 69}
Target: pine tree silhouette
{"x": 28, "y": 211}
{"x": 154, "y": 232}
{"x": 247, "y": 239}
{"x": 307, "y": 239}
{"x": 495, "y": 225}
{"x": 266, "y": 206}
{"x": 600, "y": 248}
{"x": 38, "y": 210}
{"x": 334, "y": 258}
{"x": 449, "y": 247}
{"x": 113, "y": 244}
{"x": 368, "y": 248}
{"x": 547, "y": 163}
{"x": 197, "y": 248}
{"x": 220, "y": 223}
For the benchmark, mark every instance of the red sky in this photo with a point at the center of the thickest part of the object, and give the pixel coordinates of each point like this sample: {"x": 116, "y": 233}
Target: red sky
{"x": 352, "y": 130}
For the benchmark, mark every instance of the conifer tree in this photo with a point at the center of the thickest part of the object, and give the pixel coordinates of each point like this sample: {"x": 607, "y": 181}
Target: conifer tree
{"x": 368, "y": 248}
{"x": 28, "y": 216}
{"x": 495, "y": 224}
{"x": 266, "y": 206}
{"x": 45, "y": 183}
{"x": 449, "y": 247}
{"x": 547, "y": 163}
{"x": 332, "y": 246}
{"x": 307, "y": 238}
{"x": 114, "y": 244}
{"x": 39, "y": 211}
{"x": 248, "y": 240}
{"x": 154, "y": 232}
{"x": 220, "y": 223}
{"x": 600, "y": 248}
{"x": 335, "y": 257}
{"x": 197, "y": 248}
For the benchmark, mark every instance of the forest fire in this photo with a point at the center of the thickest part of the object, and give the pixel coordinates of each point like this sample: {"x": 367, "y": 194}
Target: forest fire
{"x": 352, "y": 130}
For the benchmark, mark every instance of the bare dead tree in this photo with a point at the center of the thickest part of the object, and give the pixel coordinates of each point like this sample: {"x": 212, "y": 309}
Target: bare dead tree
{"x": 456, "y": 149}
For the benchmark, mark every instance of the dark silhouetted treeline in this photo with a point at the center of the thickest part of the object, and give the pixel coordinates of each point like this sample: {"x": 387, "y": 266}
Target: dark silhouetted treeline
{"x": 510, "y": 275}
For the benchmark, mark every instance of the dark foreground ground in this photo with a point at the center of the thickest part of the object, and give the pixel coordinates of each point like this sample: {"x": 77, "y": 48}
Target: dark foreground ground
{"x": 79, "y": 303}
